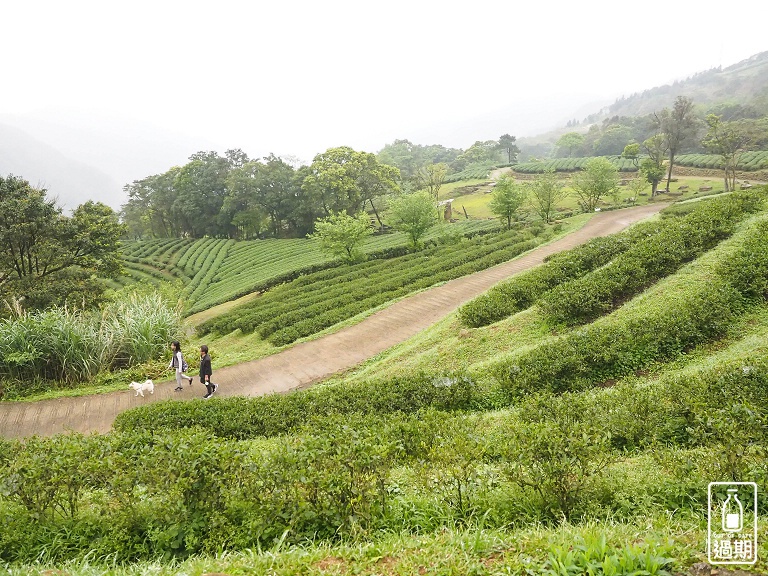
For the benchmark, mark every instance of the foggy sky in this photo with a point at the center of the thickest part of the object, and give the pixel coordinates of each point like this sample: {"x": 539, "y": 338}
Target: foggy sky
{"x": 298, "y": 77}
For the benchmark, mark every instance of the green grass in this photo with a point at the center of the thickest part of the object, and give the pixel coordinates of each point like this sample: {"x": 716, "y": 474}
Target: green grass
{"x": 214, "y": 271}
{"x": 227, "y": 349}
{"x": 449, "y": 346}
{"x": 244, "y": 267}
{"x": 454, "y": 551}
{"x": 644, "y": 509}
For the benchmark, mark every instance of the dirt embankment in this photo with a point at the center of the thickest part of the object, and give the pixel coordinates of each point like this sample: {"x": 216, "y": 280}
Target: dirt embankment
{"x": 756, "y": 177}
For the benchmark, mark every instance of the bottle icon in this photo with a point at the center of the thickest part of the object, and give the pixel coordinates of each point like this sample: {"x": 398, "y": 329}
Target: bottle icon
{"x": 733, "y": 512}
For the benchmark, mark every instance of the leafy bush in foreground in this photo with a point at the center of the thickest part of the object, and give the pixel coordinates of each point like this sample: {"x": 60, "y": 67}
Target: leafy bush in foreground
{"x": 276, "y": 414}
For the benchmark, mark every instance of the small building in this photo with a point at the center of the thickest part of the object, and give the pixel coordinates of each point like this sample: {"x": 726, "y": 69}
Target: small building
{"x": 447, "y": 210}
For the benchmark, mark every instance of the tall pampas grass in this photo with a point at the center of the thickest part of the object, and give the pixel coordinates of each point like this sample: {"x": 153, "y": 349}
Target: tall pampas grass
{"x": 72, "y": 346}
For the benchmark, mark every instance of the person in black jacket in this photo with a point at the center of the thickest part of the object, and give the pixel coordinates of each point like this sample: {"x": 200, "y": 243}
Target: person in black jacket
{"x": 206, "y": 372}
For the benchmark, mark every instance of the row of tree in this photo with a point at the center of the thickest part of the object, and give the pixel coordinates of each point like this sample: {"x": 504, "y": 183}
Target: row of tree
{"x": 727, "y": 131}
{"x": 678, "y": 128}
{"x": 342, "y": 235}
{"x": 411, "y": 159}
{"x": 234, "y": 196}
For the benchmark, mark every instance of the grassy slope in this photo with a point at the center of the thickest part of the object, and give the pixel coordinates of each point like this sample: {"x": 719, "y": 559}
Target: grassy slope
{"x": 206, "y": 283}
{"x": 236, "y": 347}
{"x": 449, "y": 346}
{"x": 454, "y": 551}
{"x": 474, "y": 549}
{"x": 227, "y": 280}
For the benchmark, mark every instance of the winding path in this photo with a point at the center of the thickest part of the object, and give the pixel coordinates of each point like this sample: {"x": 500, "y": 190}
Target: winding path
{"x": 308, "y": 362}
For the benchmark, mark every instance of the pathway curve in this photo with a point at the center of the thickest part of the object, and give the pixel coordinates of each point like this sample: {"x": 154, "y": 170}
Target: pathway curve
{"x": 308, "y": 362}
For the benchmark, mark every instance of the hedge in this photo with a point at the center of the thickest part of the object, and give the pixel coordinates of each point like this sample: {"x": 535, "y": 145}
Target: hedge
{"x": 275, "y": 414}
{"x": 674, "y": 242}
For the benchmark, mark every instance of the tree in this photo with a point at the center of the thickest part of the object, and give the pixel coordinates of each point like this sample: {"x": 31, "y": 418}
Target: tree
{"x": 546, "y": 191}
{"x": 481, "y": 152}
{"x": 199, "y": 190}
{"x": 413, "y": 214}
{"x": 729, "y": 140}
{"x": 48, "y": 259}
{"x": 509, "y": 145}
{"x": 636, "y": 187}
{"x": 506, "y": 199}
{"x": 268, "y": 185}
{"x": 678, "y": 126}
{"x": 613, "y": 140}
{"x": 571, "y": 141}
{"x": 598, "y": 179}
{"x": 632, "y": 152}
{"x": 343, "y": 179}
{"x": 652, "y": 167}
{"x": 150, "y": 206}
{"x": 431, "y": 178}
{"x": 408, "y": 157}
{"x": 341, "y": 235}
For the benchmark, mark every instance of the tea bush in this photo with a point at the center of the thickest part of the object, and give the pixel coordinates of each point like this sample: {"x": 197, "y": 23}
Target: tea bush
{"x": 619, "y": 345}
{"x": 276, "y": 414}
{"x": 747, "y": 269}
{"x": 523, "y": 290}
{"x": 315, "y": 302}
{"x": 674, "y": 242}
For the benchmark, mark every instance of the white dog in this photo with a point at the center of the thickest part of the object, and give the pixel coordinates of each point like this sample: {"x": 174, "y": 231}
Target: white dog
{"x": 140, "y": 387}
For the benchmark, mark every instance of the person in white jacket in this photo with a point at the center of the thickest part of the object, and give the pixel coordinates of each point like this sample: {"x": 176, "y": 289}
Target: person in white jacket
{"x": 177, "y": 362}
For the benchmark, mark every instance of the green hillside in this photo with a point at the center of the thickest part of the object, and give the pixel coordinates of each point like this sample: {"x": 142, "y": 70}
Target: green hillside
{"x": 745, "y": 82}
{"x": 738, "y": 93}
{"x": 524, "y": 446}
{"x": 213, "y": 271}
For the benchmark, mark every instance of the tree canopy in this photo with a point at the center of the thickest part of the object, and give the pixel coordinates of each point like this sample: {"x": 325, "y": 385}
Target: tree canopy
{"x": 506, "y": 199}
{"x": 413, "y": 214}
{"x": 233, "y": 196}
{"x": 342, "y": 235}
{"x": 730, "y": 140}
{"x": 49, "y": 259}
{"x": 598, "y": 180}
{"x": 547, "y": 190}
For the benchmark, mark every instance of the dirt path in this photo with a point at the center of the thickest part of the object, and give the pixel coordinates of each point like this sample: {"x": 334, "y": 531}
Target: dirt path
{"x": 308, "y": 362}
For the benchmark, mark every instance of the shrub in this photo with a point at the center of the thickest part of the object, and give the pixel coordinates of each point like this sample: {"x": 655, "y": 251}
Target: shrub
{"x": 283, "y": 413}
{"x": 523, "y": 290}
{"x": 65, "y": 347}
{"x": 747, "y": 269}
{"x": 619, "y": 345}
{"x": 315, "y": 302}
{"x": 557, "y": 448}
{"x": 674, "y": 242}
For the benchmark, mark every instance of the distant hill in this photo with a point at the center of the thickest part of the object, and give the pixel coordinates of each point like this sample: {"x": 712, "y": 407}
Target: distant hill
{"x": 69, "y": 181}
{"x": 80, "y": 157}
{"x": 745, "y": 83}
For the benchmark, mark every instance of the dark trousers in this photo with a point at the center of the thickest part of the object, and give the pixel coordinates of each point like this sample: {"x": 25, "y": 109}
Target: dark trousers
{"x": 208, "y": 385}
